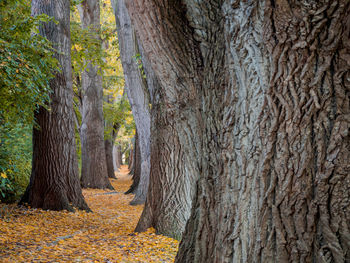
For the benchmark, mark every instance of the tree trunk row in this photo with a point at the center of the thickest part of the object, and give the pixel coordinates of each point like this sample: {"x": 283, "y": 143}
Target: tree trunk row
{"x": 137, "y": 92}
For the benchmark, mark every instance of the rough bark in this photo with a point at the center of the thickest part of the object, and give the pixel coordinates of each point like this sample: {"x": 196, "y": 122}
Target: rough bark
{"x": 109, "y": 158}
{"x": 137, "y": 92}
{"x": 136, "y": 169}
{"x": 109, "y": 144}
{"x": 175, "y": 128}
{"x": 271, "y": 80}
{"x": 54, "y": 182}
{"x": 94, "y": 166}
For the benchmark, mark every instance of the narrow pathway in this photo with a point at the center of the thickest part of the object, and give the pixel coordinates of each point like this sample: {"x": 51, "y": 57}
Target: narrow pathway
{"x": 106, "y": 235}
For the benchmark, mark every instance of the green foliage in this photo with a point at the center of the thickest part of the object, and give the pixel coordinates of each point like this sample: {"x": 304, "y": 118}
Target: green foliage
{"x": 15, "y": 160}
{"x": 118, "y": 114}
{"x": 27, "y": 63}
{"x": 138, "y": 60}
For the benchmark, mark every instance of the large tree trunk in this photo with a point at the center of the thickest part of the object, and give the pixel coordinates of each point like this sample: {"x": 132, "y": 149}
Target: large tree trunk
{"x": 137, "y": 91}
{"x": 54, "y": 182}
{"x": 272, "y": 86}
{"x": 94, "y": 165}
{"x": 174, "y": 143}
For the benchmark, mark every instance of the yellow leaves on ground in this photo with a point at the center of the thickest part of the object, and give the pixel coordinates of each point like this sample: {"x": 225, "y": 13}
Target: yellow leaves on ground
{"x": 106, "y": 235}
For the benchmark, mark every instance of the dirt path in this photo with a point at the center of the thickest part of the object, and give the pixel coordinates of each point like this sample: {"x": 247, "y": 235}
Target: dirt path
{"x": 106, "y": 235}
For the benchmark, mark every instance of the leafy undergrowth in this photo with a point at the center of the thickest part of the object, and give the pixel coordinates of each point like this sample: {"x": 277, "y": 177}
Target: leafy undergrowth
{"x": 106, "y": 235}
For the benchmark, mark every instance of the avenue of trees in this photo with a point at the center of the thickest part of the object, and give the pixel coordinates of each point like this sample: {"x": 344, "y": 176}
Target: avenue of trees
{"x": 242, "y": 115}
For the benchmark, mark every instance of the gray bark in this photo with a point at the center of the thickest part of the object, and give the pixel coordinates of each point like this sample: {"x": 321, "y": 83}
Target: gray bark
{"x": 268, "y": 84}
{"x": 173, "y": 172}
{"x": 137, "y": 94}
{"x": 136, "y": 168}
{"x": 54, "y": 182}
{"x": 109, "y": 158}
{"x": 94, "y": 165}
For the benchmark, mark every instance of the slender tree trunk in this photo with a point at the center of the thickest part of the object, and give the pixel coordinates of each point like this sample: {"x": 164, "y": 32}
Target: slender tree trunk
{"x": 54, "y": 182}
{"x": 117, "y": 156}
{"x": 109, "y": 158}
{"x": 120, "y": 154}
{"x": 130, "y": 158}
{"x": 136, "y": 169}
{"x": 273, "y": 117}
{"x": 137, "y": 92}
{"x": 109, "y": 145}
{"x": 94, "y": 166}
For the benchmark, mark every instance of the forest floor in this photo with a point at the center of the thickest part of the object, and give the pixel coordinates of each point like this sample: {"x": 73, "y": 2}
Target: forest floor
{"x": 106, "y": 235}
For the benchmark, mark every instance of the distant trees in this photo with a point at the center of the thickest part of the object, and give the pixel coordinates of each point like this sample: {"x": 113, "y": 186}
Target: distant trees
{"x": 54, "y": 182}
{"x": 94, "y": 166}
{"x": 138, "y": 94}
{"x": 258, "y": 95}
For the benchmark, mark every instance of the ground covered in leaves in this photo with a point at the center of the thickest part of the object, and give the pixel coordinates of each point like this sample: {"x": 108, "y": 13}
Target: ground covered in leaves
{"x": 106, "y": 235}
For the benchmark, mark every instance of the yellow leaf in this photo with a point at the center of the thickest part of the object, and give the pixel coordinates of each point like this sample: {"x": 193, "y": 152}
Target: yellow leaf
{"x": 3, "y": 175}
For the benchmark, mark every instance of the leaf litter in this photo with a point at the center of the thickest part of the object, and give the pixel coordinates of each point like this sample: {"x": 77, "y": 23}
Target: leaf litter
{"x": 106, "y": 235}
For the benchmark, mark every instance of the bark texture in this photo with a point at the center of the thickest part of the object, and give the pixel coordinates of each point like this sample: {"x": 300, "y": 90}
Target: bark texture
{"x": 109, "y": 145}
{"x": 136, "y": 168}
{"x": 54, "y": 182}
{"x": 272, "y": 117}
{"x": 109, "y": 158}
{"x": 94, "y": 166}
{"x": 175, "y": 127}
{"x": 137, "y": 92}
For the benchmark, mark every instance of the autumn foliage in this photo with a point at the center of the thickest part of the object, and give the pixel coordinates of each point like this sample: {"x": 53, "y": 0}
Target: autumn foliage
{"x": 106, "y": 235}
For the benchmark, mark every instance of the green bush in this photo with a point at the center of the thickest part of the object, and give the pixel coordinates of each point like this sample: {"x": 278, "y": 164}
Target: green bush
{"x": 15, "y": 160}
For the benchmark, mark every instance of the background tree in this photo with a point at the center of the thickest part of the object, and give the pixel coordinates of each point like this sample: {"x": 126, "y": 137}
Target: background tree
{"x": 94, "y": 165}
{"x": 54, "y": 182}
{"x": 267, "y": 85}
{"x": 172, "y": 174}
{"x": 135, "y": 169}
{"x": 137, "y": 91}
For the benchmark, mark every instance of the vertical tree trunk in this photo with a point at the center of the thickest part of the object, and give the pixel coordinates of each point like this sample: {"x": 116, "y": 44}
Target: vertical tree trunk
{"x": 54, "y": 182}
{"x": 117, "y": 156}
{"x": 109, "y": 158}
{"x": 120, "y": 154}
{"x": 136, "y": 169}
{"x": 94, "y": 165}
{"x": 137, "y": 93}
{"x": 174, "y": 141}
{"x": 130, "y": 159}
{"x": 272, "y": 82}
{"x": 109, "y": 145}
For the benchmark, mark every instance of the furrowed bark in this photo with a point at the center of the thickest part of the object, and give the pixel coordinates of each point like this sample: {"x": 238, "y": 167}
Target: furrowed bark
{"x": 94, "y": 165}
{"x": 137, "y": 93}
{"x": 274, "y": 118}
{"x": 175, "y": 123}
{"x": 54, "y": 182}
{"x": 136, "y": 170}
